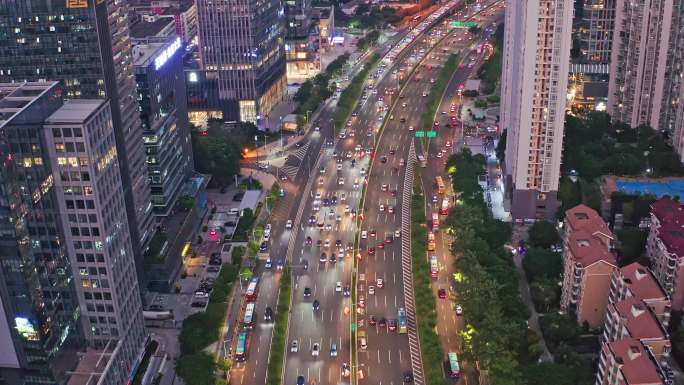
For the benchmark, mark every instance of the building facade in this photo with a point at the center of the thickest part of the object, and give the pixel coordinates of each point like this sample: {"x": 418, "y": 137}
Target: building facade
{"x": 597, "y": 37}
{"x": 665, "y": 248}
{"x": 160, "y": 82}
{"x": 646, "y": 67}
{"x": 83, "y": 156}
{"x": 241, "y": 45}
{"x": 627, "y": 362}
{"x": 534, "y": 89}
{"x": 588, "y": 264}
{"x": 76, "y": 42}
{"x": 67, "y": 278}
{"x": 635, "y": 342}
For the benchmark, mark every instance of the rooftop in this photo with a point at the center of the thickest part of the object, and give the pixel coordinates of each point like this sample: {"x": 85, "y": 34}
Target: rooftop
{"x": 641, "y": 282}
{"x": 668, "y": 211}
{"x": 587, "y": 248}
{"x": 75, "y": 111}
{"x": 639, "y": 320}
{"x": 143, "y": 29}
{"x": 15, "y": 97}
{"x": 142, "y": 53}
{"x": 635, "y": 364}
{"x": 585, "y": 218}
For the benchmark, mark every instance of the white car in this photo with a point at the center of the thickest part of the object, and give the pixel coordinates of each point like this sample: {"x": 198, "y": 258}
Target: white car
{"x": 294, "y": 348}
{"x": 364, "y": 234}
{"x": 459, "y": 310}
{"x": 382, "y": 208}
{"x": 288, "y": 224}
{"x": 371, "y": 289}
{"x": 340, "y": 181}
{"x": 315, "y": 350}
{"x": 317, "y": 128}
{"x": 201, "y": 294}
{"x": 397, "y": 233}
{"x": 339, "y": 167}
{"x": 338, "y": 286}
{"x": 363, "y": 171}
{"x": 380, "y": 283}
{"x": 343, "y": 197}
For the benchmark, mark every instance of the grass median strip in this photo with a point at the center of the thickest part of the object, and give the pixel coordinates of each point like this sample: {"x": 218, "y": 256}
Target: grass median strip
{"x": 437, "y": 92}
{"x": 201, "y": 329}
{"x": 277, "y": 359}
{"x": 430, "y": 346}
{"x": 351, "y": 94}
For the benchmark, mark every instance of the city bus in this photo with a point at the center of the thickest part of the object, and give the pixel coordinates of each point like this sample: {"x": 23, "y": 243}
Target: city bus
{"x": 439, "y": 182}
{"x": 434, "y": 266}
{"x": 249, "y": 319}
{"x": 242, "y": 346}
{"x": 444, "y": 209}
{"x": 251, "y": 292}
{"x": 401, "y": 316}
{"x": 454, "y": 368}
{"x": 435, "y": 222}
{"x": 431, "y": 242}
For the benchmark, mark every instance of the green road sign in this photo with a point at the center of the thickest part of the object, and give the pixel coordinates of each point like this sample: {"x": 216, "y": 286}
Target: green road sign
{"x": 432, "y": 134}
{"x": 353, "y": 326}
{"x": 463, "y": 24}
{"x": 420, "y": 134}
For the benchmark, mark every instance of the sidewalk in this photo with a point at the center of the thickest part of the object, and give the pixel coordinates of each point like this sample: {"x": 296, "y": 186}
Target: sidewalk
{"x": 533, "y": 321}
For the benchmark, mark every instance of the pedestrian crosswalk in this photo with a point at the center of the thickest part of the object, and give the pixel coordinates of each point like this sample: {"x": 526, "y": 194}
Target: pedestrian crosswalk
{"x": 407, "y": 267}
{"x": 301, "y": 151}
{"x": 290, "y": 171}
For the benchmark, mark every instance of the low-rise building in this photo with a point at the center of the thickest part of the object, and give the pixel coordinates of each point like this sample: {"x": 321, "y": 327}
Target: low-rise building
{"x": 627, "y": 362}
{"x": 631, "y": 318}
{"x": 588, "y": 263}
{"x": 637, "y": 281}
{"x": 665, "y": 248}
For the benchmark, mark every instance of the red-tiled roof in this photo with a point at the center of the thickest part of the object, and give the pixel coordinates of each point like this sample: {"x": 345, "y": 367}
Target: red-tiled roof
{"x": 668, "y": 211}
{"x": 583, "y": 217}
{"x": 587, "y": 248}
{"x": 641, "y": 282}
{"x": 637, "y": 368}
{"x": 639, "y": 319}
{"x": 672, "y": 235}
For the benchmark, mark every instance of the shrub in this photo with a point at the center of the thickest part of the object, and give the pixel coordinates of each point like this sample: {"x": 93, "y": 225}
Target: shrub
{"x": 278, "y": 342}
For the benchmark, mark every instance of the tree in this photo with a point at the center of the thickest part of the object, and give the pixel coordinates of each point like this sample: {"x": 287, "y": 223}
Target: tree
{"x": 544, "y": 295}
{"x": 632, "y": 243}
{"x": 216, "y": 156}
{"x": 304, "y": 92}
{"x": 543, "y": 234}
{"x": 549, "y": 373}
{"x": 541, "y": 264}
{"x": 559, "y": 328}
{"x": 501, "y": 146}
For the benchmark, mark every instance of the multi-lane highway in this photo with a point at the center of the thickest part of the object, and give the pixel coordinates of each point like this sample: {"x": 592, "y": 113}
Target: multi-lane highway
{"x": 300, "y": 168}
{"x": 326, "y": 177}
{"x": 389, "y": 357}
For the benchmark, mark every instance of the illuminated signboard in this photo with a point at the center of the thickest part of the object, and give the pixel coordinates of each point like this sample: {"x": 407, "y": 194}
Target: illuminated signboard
{"x": 77, "y": 3}
{"x": 25, "y": 328}
{"x": 167, "y": 53}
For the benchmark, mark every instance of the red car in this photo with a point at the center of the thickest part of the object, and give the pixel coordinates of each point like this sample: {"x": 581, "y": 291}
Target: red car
{"x": 442, "y": 293}
{"x": 381, "y": 245}
{"x": 392, "y": 325}
{"x": 371, "y": 251}
{"x": 372, "y": 320}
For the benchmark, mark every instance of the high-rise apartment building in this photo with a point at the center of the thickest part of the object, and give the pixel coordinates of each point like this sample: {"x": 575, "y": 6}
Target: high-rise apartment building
{"x": 67, "y": 277}
{"x": 627, "y": 362}
{"x": 241, "y": 45}
{"x": 537, "y": 42}
{"x": 588, "y": 264}
{"x": 646, "y": 67}
{"x": 597, "y": 36}
{"x": 85, "y": 45}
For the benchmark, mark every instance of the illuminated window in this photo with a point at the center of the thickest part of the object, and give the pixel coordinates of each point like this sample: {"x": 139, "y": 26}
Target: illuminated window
{"x": 59, "y": 147}
{"x": 28, "y": 162}
{"x": 38, "y": 161}
{"x": 73, "y": 161}
{"x": 61, "y": 161}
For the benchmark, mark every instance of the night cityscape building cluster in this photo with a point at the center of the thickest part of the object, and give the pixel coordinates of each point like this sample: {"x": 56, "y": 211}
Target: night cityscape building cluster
{"x": 100, "y": 102}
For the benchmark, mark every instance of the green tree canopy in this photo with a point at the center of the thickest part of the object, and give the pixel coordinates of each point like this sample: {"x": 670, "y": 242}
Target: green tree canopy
{"x": 543, "y": 234}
